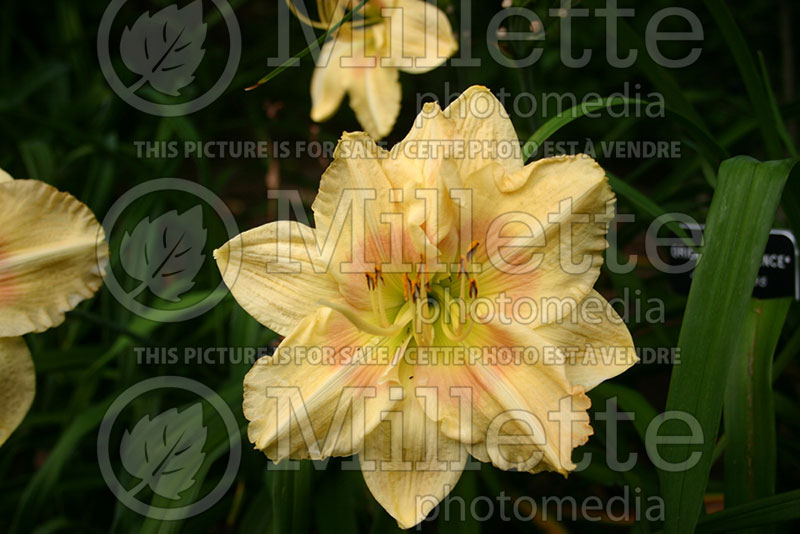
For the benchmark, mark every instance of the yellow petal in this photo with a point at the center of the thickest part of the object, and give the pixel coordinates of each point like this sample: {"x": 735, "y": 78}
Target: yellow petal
{"x": 17, "y": 384}
{"x": 4, "y": 176}
{"x": 52, "y": 255}
{"x": 408, "y": 464}
{"x": 314, "y": 398}
{"x": 545, "y": 267}
{"x": 329, "y": 81}
{"x": 355, "y": 219}
{"x": 481, "y": 121}
{"x": 597, "y": 339}
{"x": 375, "y": 95}
{"x": 508, "y": 398}
{"x": 422, "y": 166}
{"x": 421, "y": 38}
{"x": 276, "y": 274}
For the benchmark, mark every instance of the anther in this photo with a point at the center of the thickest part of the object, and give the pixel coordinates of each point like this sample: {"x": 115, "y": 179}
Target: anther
{"x": 472, "y": 248}
{"x": 473, "y": 288}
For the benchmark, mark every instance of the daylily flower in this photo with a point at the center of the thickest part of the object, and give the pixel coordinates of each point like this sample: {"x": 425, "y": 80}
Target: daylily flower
{"x": 364, "y": 56}
{"x": 52, "y": 256}
{"x": 450, "y": 220}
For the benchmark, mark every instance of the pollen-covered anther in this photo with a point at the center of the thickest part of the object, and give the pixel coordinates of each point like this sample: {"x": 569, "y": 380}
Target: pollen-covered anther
{"x": 473, "y": 288}
{"x": 372, "y": 280}
{"x": 462, "y": 267}
{"x": 471, "y": 251}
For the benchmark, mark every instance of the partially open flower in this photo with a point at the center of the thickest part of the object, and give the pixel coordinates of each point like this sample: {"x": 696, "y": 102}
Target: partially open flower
{"x": 442, "y": 305}
{"x": 52, "y": 256}
{"x": 364, "y": 56}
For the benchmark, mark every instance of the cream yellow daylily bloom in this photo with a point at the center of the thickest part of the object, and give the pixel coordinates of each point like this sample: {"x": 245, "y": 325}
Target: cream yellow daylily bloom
{"x": 363, "y": 60}
{"x": 450, "y": 218}
{"x": 52, "y": 256}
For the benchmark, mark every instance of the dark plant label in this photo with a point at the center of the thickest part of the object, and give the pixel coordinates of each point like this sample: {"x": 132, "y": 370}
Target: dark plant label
{"x": 778, "y": 276}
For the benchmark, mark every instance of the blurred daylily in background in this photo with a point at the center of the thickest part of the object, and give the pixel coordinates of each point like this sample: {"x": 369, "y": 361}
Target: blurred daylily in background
{"x": 436, "y": 231}
{"x": 53, "y": 255}
{"x": 363, "y": 57}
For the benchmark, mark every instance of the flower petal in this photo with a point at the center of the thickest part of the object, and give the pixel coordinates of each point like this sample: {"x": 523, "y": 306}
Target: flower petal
{"x": 375, "y": 95}
{"x": 504, "y": 392}
{"x": 329, "y": 81}
{"x": 357, "y": 223}
{"x": 421, "y": 38}
{"x": 17, "y": 384}
{"x": 408, "y": 464}
{"x": 4, "y": 176}
{"x": 319, "y": 395}
{"x": 276, "y": 274}
{"x": 481, "y": 121}
{"x": 596, "y": 340}
{"x": 52, "y": 256}
{"x": 560, "y": 214}
{"x": 421, "y": 165}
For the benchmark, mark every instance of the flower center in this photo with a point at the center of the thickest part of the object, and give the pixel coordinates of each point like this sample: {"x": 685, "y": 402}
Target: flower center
{"x": 431, "y": 299}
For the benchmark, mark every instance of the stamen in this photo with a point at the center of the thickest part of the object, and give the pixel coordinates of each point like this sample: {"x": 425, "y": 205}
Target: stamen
{"x": 473, "y": 288}
{"x": 358, "y": 321}
{"x": 462, "y": 267}
{"x": 381, "y": 311}
{"x": 471, "y": 251}
{"x": 460, "y": 334}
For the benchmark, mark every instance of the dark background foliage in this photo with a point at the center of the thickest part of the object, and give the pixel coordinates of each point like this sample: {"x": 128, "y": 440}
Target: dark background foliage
{"x": 60, "y": 122}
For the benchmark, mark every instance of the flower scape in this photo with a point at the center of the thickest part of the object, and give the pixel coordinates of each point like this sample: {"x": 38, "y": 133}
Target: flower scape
{"x": 449, "y": 288}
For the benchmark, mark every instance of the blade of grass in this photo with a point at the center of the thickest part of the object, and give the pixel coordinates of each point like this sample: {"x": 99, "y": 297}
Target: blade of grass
{"x": 629, "y": 400}
{"x": 741, "y": 214}
{"x": 297, "y": 57}
{"x": 773, "y": 106}
{"x": 747, "y": 68}
{"x": 647, "y": 207}
{"x": 704, "y": 140}
{"x": 783, "y": 507}
{"x": 749, "y": 412}
{"x": 786, "y": 355}
{"x": 36, "y": 495}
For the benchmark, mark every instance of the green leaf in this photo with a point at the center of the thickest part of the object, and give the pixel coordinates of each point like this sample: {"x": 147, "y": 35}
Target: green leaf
{"x": 790, "y": 350}
{"x": 749, "y": 412}
{"x": 629, "y": 400}
{"x": 36, "y": 496}
{"x": 741, "y": 215}
{"x": 747, "y": 68}
{"x": 647, "y": 207}
{"x": 783, "y": 507}
{"x": 553, "y": 125}
{"x": 776, "y": 112}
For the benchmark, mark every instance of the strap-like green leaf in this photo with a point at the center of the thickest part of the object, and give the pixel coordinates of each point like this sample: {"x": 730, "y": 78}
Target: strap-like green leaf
{"x": 749, "y": 413}
{"x": 783, "y": 507}
{"x": 742, "y": 211}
